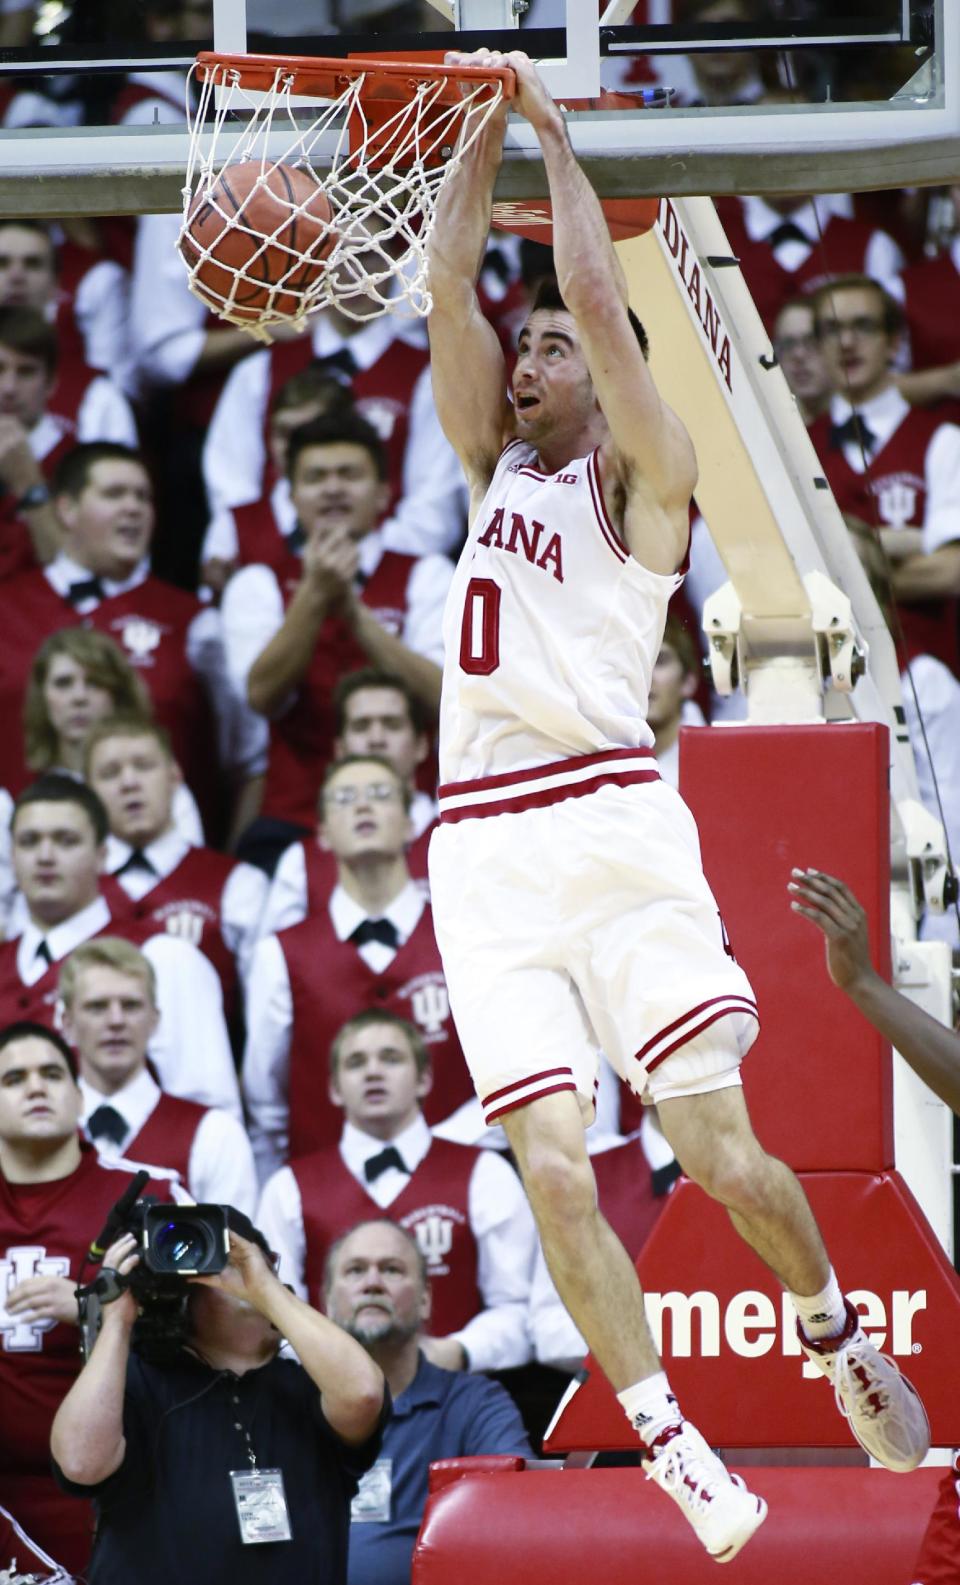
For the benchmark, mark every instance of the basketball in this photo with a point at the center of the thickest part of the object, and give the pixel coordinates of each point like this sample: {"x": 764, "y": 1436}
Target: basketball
{"x": 272, "y": 232}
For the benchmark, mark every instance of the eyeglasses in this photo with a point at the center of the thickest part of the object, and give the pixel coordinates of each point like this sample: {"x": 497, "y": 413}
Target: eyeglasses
{"x": 863, "y": 325}
{"x": 379, "y": 791}
{"x": 787, "y": 344}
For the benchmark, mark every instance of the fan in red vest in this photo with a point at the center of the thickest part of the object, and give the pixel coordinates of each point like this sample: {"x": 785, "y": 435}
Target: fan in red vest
{"x": 930, "y": 295}
{"x": 195, "y": 893}
{"x": 345, "y": 602}
{"x": 894, "y": 470}
{"x": 384, "y": 365}
{"x": 79, "y": 289}
{"x": 41, "y": 418}
{"x": 371, "y": 945}
{"x": 376, "y": 712}
{"x": 102, "y": 579}
{"x": 465, "y": 1206}
{"x": 59, "y": 831}
{"x": 55, "y": 1195}
{"x": 634, "y": 1177}
{"x": 109, "y": 995}
{"x": 933, "y": 1051}
{"x": 788, "y": 246}
{"x": 257, "y": 531}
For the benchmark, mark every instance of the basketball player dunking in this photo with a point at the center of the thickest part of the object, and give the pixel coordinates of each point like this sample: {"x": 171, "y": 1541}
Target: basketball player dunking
{"x": 570, "y": 905}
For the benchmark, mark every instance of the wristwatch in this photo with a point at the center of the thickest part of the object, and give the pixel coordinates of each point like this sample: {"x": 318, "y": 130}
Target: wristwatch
{"x": 37, "y": 495}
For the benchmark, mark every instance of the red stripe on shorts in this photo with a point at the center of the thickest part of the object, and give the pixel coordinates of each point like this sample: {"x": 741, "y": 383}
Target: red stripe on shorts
{"x": 520, "y": 1084}
{"x": 514, "y": 1106}
{"x": 731, "y": 1005}
{"x": 732, "y": 996}
{"x": 548, "y": 796}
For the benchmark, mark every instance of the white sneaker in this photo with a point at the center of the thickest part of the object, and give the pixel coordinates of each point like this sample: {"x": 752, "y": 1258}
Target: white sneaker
{"x": 723, "y": 1513}
{"x": 883, "y": 1408}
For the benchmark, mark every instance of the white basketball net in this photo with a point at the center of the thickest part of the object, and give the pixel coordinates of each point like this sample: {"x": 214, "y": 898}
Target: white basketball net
{"x": 381, "y": 187}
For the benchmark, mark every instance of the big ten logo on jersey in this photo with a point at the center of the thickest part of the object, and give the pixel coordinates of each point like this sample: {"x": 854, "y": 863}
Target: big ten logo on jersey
{"x": 897, "y": 495}
{"x": 433, "y": 1228}
{"x": 186, "y": 918}
{"x": 382, "y": 412}
{"x": 429, "y": 1005}
{"x": 390, "y": 618}
{"x": 22, "y": 1335}
{"x": 139, "y": 638}
{"x": 687, "y": 1325}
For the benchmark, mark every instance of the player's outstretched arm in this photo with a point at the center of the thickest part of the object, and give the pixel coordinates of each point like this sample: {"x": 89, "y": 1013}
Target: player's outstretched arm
{"x": 466, "y": 361}
{"x": 932, "y": 1050}
{"x": 654, "y": 454}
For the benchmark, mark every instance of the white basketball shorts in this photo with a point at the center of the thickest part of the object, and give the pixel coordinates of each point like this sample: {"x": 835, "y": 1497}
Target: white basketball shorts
{"x": 582, "y": 926}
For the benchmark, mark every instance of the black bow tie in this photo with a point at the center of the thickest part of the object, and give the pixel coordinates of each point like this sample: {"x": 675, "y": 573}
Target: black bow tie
{"x": 375, "y": 930}
{"x": 853, "y": 432}
{"x": 388, "y": 1157}
{"x": 85, "y": 589}
{"x": 787, "y": 231}
{"x": 43, "y": 952}
{"x": 295, "y": 540}
{"x": 137, "y": 860}
{"x": 107, "y": 1123}
{"x": 341, "y": 364}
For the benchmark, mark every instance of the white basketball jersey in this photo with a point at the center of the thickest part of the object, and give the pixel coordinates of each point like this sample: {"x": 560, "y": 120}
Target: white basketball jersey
{"x": 551, "y": 627}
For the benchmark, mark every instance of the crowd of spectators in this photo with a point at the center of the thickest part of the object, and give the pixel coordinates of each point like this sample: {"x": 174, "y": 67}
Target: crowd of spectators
{"x": 222, "y": 576}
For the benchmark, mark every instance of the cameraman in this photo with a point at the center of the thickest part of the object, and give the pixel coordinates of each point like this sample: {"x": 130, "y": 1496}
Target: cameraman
{"x": 230, "y": 1465}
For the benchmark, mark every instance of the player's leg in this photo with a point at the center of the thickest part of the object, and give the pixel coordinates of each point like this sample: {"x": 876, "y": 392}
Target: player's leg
{"x": 598, "y": 1283}
{"x": 712, "y": 1138}
{"x": 714, "y": 1142}
{"x": 591, "y": 1270}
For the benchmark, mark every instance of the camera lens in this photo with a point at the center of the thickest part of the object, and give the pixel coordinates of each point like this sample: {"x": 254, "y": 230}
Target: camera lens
{"x": 182, "y": 1246}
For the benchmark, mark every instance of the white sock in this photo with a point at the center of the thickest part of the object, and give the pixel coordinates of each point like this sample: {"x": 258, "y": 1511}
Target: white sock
{"x": 650, "y": 1407}
{"x": 822, "y": 1314}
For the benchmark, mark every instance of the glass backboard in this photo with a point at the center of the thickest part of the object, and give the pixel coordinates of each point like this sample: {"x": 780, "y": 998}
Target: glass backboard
{"x": 684, "y": 96}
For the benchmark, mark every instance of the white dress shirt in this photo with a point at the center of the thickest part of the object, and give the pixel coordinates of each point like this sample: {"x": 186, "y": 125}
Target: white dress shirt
{"x": 430, "y": 514}
{"x": 253, "y": 611}
{"x": 241, "y": 901}
{"x": 286, "y": 903}
{"x": 882, "y": 415}
{"x": 101, "y": 309}
{"x": 221, "y": 543}
{"x": 190, "y": 1048}
{"x": 266, "y": 1060}
{"x": 103, "y": 413}
{"x": 938, "y": 699}
{"x": 500, "y": 1220}
{"x": 220, "y": 1170}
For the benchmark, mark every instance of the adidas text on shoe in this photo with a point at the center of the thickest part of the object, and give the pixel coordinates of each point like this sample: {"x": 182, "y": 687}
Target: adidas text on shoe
{"x": 884, "y": 1410}
{"x": 722, "y": 1512}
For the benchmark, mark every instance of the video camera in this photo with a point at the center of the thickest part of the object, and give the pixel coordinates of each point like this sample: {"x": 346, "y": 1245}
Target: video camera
{"x": 174, "y": 1242}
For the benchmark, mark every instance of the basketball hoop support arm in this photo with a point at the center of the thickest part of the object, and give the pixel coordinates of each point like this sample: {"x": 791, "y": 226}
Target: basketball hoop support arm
{"x": 793, "y": 627}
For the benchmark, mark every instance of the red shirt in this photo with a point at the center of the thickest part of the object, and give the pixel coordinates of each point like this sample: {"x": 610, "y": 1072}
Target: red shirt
{"x": 150, "y": 624}
{"x": 433, "y": 1206}
{"x": 46, "y": 1230}
{"x": 897, "y": 471}
{"x": 329, "y": 983}
{"x": 301, "y": 740}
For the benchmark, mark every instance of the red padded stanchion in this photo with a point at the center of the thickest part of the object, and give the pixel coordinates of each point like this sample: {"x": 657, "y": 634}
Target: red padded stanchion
{"x": 542, "y": 1527}
{"x": 818, "y": 1079}
{"x": 727, "y": 1333}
